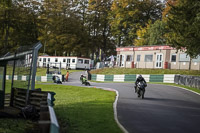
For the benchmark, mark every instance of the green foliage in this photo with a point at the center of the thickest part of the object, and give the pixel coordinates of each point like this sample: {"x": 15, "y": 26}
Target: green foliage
{"x": 184, "y": 23}
{"x": 127, "y": 16}
{"x": 81, "y": 109}
{"x": 152, "y": 34}
{"x": 17, "y": 25}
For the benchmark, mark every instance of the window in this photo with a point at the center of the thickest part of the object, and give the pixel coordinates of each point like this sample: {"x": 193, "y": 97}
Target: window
{"x": 80, "y": 61}
{"x": 173, "y": 58}
{"x": 44, "y": 59}
{"x": 56, "y": 59}
{"x": 129, "y": 58}
{"x": 197, "y": 59}
{"x": 73, "y": 60}
{"x": 40, "y": 59}
{"x": 138, "y": 58}
{"x": 86, "y": 62}
{"x": 148, "y": 58}
{"x": 48, "y": 59}
{"x": 184, "y": 57}
{"x": 64, "y": 60}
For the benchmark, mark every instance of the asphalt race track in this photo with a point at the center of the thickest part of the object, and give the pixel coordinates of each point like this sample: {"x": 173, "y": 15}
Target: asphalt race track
{"x": 165, "y": 109}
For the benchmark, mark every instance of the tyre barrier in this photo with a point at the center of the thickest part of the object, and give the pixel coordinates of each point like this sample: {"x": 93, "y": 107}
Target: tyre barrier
{"x": 191, "y": 81}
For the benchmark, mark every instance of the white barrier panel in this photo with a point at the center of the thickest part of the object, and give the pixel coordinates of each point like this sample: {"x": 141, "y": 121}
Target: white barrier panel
{"x": 24, "y": 78}
{"x": 7, "y": 77}
{"x": 43, "y": 79}
{"x": 119, "y": 78}
{"x": 145, "y": 76}
{"x": 15, "y": 77}
{"x": 168, "y": 78}
{"x": 100, "y": 77}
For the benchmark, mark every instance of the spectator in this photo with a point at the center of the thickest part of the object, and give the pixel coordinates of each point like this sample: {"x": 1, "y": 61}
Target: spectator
{"x": 67, "y": 76}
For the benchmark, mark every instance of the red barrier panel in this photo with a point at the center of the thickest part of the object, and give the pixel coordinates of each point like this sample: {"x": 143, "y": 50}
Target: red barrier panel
{"x": 165, "y": 65}
{"x": 132, "y": 65}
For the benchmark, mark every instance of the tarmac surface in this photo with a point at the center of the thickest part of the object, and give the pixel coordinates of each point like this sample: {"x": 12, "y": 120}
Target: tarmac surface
{"x": 165, "y": 109}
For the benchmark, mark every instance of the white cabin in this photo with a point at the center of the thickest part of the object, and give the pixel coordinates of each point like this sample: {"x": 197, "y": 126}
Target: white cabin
{"x": 66, "y": 62}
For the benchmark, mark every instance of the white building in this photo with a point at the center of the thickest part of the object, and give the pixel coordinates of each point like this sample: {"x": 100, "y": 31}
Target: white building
{"x": 65, "y": 62}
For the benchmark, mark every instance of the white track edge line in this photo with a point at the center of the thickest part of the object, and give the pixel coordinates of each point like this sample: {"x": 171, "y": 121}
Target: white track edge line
{"x": 115, "y": 108}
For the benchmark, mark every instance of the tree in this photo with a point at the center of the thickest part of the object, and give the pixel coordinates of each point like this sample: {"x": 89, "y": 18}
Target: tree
{"x": 17, "y": 25}
{"x": 127, "y": 16}
{"x": 61, "y": 30}
{"x": 152, "y": 34}
{"x": 184, "y": 23}
{"x": 99, "y": 28}
{"x": 143, "y": 35}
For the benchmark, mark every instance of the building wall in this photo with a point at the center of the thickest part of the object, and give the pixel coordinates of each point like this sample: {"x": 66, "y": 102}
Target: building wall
{"x": 152, "y": 64}
{"x": 125, "y": 63}
{"x": 64, "y": 62}
{"x": 181, "y": 60}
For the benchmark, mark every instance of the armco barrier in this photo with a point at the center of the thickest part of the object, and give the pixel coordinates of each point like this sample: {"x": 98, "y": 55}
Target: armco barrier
{"x": 100, "y": 77}
{"x": 119, "y": 78}
{"x": 156, "y": 78}
{"x": 191, "y": 81}
{"x": 166, "y": 78}
{"x": 46, "y": 78}
{"x": 130, "y": 78}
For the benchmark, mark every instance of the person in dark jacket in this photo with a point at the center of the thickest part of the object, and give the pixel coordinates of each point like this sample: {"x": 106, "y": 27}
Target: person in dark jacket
{"x": 139, "y": 79}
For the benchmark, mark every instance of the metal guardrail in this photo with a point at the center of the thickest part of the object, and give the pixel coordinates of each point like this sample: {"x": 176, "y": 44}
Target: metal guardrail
{"x": 54, "y": 127}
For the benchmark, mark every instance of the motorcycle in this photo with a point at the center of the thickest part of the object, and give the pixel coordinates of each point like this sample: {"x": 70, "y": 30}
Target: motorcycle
{"x": 56, "y": 79}
{"x": 141, "y": 89}
{"x": 83, "y": 79}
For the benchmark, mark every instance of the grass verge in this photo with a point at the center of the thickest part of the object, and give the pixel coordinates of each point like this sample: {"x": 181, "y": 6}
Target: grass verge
{"x": 81, "y": 109}
{"x": 15, "y": 126}
{"x": 112, "y": 71}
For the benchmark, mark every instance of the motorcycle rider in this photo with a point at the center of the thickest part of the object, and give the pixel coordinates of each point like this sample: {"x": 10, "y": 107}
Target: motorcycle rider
{"x": 139, "y": 79}
{"x": 81, "y": 78}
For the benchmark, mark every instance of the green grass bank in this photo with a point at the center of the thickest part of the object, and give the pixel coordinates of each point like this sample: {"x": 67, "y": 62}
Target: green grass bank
{"x": 81, "y": 109}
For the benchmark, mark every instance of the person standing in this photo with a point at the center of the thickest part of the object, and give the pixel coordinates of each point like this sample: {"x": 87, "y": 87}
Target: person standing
{"x": 67, "y": 76}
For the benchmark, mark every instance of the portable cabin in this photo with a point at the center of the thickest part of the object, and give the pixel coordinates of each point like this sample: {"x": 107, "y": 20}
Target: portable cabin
{"x": 155, "y": 57}
{"x": 66, "y": 62}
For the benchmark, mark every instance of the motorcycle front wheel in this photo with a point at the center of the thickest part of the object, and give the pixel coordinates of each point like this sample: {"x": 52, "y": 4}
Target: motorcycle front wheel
{"x": 142, "y": 93}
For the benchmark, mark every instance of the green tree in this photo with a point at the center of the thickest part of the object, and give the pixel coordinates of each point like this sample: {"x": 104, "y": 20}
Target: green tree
{"x": 61, "y": 30}
{"x": 99, "y": 28}
{"x": 152, "y": 34}
{"x": 17, "y": 25}
{"x": 127, "y": 16}
{"x": 184, "y": 23}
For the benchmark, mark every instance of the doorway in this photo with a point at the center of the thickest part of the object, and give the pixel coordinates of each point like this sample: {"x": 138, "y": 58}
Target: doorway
{"x": 121, "y": 60}
{"x": 159, "y": 60}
